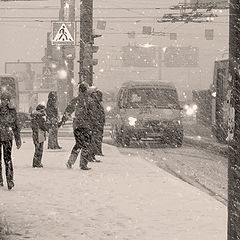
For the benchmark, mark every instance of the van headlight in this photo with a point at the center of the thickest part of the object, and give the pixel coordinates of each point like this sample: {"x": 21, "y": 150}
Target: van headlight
{"x": 132, "y": 121}
{"x": 191, "y": 110}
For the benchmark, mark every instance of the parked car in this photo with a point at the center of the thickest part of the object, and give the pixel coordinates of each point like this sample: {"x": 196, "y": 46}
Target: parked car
{"x": 24, "y": 119}
{"x": 147, "y": 110}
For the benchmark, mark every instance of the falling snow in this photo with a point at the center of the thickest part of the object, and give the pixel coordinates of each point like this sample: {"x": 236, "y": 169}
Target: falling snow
{"x": 165, "y": 80}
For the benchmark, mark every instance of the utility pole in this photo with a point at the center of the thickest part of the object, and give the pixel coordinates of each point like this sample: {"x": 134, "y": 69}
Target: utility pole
{"x": 86, "y": 31}
{"x": 67, "y": 14}
{"x": 234, "y": 144}
{"x": 183, "y": 7}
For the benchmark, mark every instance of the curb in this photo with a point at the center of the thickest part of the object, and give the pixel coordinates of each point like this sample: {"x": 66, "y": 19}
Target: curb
{"x": 60, "y": 134}
{"x": 200, "y": 143}
{"x": 207, "y": 145}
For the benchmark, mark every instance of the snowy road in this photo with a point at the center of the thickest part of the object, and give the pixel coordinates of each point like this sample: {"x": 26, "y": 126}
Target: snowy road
{"x": 124, "y": 197}
{"x": 201, "y": 169}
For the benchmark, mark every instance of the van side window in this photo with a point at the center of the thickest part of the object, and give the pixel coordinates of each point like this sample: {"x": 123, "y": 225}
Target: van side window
{"x": 135, "y": 98}
{"x": 124, "y": 98}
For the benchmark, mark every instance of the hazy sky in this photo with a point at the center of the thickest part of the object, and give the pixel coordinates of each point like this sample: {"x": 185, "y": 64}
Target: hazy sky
{"x": 25, "y": 38}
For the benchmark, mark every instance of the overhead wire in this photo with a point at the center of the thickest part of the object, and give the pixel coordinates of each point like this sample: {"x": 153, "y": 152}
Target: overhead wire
{"x": 32, "y": 20}
{"x": 56, "y": 8}
{"x": 144, "y": 18}
{"x": 77, "y": 19}
{"x": 46, "y": 20}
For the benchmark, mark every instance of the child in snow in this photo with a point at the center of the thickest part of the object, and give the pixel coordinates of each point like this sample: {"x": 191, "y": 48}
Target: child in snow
{"x": 39, "y": 128}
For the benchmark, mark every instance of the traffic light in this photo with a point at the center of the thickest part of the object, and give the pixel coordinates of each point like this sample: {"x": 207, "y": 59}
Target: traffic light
{"x": 88, "y": 59}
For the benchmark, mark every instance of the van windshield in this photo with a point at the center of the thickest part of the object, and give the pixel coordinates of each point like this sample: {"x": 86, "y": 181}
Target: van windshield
{"x": 152, "y": 97}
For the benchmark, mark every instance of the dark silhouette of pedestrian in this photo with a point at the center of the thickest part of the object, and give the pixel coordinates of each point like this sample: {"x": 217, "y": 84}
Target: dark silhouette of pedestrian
{"x": 9, "y": 127}
{"x": 39, "y": 128}
{"x": 98, "y": 121}
{"x": 81, "y": 126}
{"x": 52, "y": 120}
{"x": 101, "y": 123}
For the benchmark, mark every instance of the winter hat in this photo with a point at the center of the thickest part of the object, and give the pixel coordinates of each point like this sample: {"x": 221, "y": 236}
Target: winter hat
{"x": 52, "y": 95}
{"x": 82, "y": 87}
{"x": 40, "y": 107}
{"x": 6, "y": 96}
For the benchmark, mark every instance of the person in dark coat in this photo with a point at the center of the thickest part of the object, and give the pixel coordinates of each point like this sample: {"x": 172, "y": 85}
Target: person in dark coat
{"x": 97, "y": 123}
{"x": 39, "y": 129}
{"x": 52, "y": 120}
{"x": 81, "y": 126}
{"x": 100, "y": 126}
{"x": 9, "y": 127}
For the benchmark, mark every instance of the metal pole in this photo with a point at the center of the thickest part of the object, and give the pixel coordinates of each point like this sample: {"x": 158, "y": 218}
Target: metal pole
{"x": 234, "y": 145}
{"x": 67, "y": 14}
{"x": 86, "y": 30}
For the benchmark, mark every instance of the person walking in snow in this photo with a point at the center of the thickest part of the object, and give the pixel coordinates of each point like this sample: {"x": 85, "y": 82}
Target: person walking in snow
{"x": 97, "y": 123}
{"x": 82, "y": 126}
{"x": 52, "y": 120}
{"x": 101, "y": 122}
{"x": 9, "y": 127}
{"x": 39, "y": 129}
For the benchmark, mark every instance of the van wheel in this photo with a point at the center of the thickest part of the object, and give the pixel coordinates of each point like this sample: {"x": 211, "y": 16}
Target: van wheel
{"x": 126, "y": 141}
{"x": 118, "y": 140}
{"x": 178, "y": 141}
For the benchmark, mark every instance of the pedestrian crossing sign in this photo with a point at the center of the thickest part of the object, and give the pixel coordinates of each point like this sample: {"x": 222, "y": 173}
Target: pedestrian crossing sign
{"x": 63, "y": 33}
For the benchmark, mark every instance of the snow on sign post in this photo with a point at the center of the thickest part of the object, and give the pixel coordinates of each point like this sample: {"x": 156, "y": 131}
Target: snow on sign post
{"x": 63, "y": 33}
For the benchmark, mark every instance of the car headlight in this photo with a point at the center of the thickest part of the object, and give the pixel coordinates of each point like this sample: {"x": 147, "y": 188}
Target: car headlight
{"x": 177, "y": 122}
{"x": 108, "y": 108}
{"x": 195, "y": 107}
{"x": 214, "y": 94}
{"x": 190, "y": 112}
{"x": 132, "y": 121}
{"x": 186, "y": 107}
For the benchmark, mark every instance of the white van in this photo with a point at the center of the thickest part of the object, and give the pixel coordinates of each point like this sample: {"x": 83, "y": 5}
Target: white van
{"x": 148, "y": 109}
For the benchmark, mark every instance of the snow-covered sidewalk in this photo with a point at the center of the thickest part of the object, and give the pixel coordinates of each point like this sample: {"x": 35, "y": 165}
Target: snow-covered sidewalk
{"x": 123, "y": 197}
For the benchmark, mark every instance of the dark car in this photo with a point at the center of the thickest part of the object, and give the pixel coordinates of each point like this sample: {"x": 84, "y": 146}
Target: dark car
{"x": 24, "y": 120}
